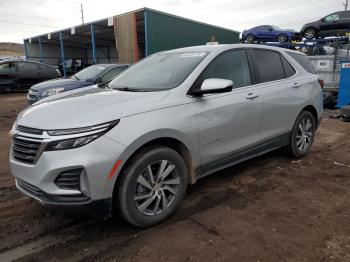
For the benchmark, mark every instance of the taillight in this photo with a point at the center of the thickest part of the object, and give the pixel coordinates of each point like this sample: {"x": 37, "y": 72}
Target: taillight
{"x": 321, "y": 82}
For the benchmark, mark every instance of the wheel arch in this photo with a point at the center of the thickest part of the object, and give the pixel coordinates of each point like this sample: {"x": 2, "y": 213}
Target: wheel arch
{"x": 181, "y": 147}
{"x": 313, "y": 111}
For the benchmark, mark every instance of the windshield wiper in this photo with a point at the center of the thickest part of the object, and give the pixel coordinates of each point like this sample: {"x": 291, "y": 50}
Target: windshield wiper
{"x": 128, "y": 89}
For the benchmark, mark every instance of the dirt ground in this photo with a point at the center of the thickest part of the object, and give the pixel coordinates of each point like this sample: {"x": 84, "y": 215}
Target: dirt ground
{"x": 273, "y": 208}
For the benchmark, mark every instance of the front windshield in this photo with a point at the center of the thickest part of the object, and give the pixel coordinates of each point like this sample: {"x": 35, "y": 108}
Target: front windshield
{"x": 90, "y": 72}
{"x": 158, "y": 72}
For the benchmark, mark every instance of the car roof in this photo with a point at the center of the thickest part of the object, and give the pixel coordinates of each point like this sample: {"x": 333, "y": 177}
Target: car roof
{"x": 223, "y": 47}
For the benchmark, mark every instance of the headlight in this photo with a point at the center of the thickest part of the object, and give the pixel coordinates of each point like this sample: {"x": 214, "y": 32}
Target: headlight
{"x": 52, "y": 92}
{"x": 82, "y": 136}
{"x": 71, "y": 143}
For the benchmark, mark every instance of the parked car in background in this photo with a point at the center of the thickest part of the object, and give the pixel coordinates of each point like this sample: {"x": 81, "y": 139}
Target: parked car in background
{"x": 335, "y": 24}
{"x": 269, "y": 33}
{"x": 169, "y": 120}
{"x": 91, "y": 75}
{"x": 21, "y": 75}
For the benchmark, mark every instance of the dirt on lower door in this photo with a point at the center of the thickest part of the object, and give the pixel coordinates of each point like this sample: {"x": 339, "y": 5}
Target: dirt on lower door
{"x": 273, "y": 208}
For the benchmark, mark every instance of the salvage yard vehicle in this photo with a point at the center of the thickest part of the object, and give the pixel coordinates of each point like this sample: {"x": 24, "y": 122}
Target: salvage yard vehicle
{"x": 95, "y": 74}
{"x": 165, "y": 122}
{"x": 269, "y": 33}
{"x": 17, "y": 75}
{"x": 335, "y": 24}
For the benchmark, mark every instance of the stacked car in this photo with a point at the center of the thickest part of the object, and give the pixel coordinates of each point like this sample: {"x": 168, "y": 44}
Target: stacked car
{"x": 335, "y": 24}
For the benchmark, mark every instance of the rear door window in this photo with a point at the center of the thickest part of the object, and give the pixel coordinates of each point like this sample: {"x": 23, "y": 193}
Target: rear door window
{"x": 288, "y": 68}
{"x": 25, "y": 66}
{"x": 303, "y": 61}
{"x": 232, "y": 65}
{"x": 268, "y": 65}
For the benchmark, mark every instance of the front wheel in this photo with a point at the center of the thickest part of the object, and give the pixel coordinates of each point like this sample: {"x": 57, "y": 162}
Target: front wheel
{"x": 310, "y": 33}
{"x": 152, "y": 187}
{"x": 250, "y": 39}
{"x": 282, "y": 38}
{"x": 302, "y": 135}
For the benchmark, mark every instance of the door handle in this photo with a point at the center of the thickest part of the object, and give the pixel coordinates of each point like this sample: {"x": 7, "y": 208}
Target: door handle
{"x": 252, "y": 96}
{"x": 296, "y": 85}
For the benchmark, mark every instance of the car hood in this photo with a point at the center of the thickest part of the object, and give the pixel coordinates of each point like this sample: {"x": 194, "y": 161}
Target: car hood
{"x": 86, "y": 107}
{"x": 69, "y": 83}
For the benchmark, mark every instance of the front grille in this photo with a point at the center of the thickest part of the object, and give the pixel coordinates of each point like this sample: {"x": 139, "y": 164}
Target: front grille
{"x": 25, "y": 150}
{"x": 29, "y": 130}
{"x": 69, "y": 179}
{"x": 51, "y": 199}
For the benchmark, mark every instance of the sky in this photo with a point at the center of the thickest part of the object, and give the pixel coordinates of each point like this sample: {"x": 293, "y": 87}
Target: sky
{"x": 21, "y": 19}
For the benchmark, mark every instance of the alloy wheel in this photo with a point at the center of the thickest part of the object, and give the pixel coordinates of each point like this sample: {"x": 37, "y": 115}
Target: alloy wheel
{"x": 310, "y": 33}
{"x": 282, "y": 38}
{"x": 156, "y": 188}
{"x": 304, "y": 135}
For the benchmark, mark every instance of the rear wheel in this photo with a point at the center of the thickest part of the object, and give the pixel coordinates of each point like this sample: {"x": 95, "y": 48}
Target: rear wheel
{"x": 303, "y": 134}
{"x": 152, "y": 186}
{"x": 310, "y": 33}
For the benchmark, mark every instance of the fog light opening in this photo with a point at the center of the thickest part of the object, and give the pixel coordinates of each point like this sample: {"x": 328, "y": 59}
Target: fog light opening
{"x": 84, "y": 184}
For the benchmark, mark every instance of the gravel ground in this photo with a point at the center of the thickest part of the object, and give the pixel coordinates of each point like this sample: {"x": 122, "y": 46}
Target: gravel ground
{"x": 272, "y": 208}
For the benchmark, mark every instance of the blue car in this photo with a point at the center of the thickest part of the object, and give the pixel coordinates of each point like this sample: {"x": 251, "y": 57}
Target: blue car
{"x": 95, "y": 74}
{"x": 269, "y": 33}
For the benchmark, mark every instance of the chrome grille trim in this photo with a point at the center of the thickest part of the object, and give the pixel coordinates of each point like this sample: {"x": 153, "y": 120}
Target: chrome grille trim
{"x": 29, "y": 130}
{"x": 26, "y": 150}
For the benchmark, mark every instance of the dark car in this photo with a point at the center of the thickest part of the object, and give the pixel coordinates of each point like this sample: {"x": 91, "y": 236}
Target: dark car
{"x": 21, "y": 75}
{"x": 269, "y": 33}
{"x": 331, "y": 25}
{"x": 91, "y": 75}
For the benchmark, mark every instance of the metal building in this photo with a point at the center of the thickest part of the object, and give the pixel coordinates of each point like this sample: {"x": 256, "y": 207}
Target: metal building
{"x": 124, "y": 38}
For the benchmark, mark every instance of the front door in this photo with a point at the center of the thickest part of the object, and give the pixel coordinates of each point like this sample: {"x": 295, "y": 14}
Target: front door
{"x": 228, "y": 123}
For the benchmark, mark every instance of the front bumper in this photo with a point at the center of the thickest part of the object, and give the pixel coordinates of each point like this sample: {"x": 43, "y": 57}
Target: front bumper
{"x": 96, "y": 159}
{"x": 99, "y": 208}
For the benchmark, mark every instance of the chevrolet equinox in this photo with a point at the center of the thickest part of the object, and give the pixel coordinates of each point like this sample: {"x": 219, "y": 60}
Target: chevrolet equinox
{"x": 165, "y": 122}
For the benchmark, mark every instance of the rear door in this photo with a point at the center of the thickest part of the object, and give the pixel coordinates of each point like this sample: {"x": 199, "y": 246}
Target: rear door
{"x": 283, "y": 94}
{"x": 28, "y": 74}
{"x": 228, "y": 123}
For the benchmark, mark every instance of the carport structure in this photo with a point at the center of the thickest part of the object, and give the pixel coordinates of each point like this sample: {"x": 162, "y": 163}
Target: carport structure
{"x": 124, "y": 38}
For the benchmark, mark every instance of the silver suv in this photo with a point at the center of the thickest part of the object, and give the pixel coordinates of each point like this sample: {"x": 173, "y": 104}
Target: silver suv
{"x": 168, "y": 120}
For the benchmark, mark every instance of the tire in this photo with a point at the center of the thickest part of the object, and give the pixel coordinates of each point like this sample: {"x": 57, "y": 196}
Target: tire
{"x": 310, "y": 33}
{"x": 302, "y": 134}
{"x": 282, "y": 38}
{"x": 327, "y": 99}
{"x": 250, "y": 39}
{"x": 144, "y": 202}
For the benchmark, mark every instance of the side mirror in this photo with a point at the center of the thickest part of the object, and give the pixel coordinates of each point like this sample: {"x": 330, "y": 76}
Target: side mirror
{"x": 214, "y": 86}
{"x": 322, "y": 19}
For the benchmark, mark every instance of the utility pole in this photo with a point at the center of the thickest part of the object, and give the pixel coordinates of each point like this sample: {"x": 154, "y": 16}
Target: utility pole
{"x": 346, "y": 4}
{"x": 82, "y": 13}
